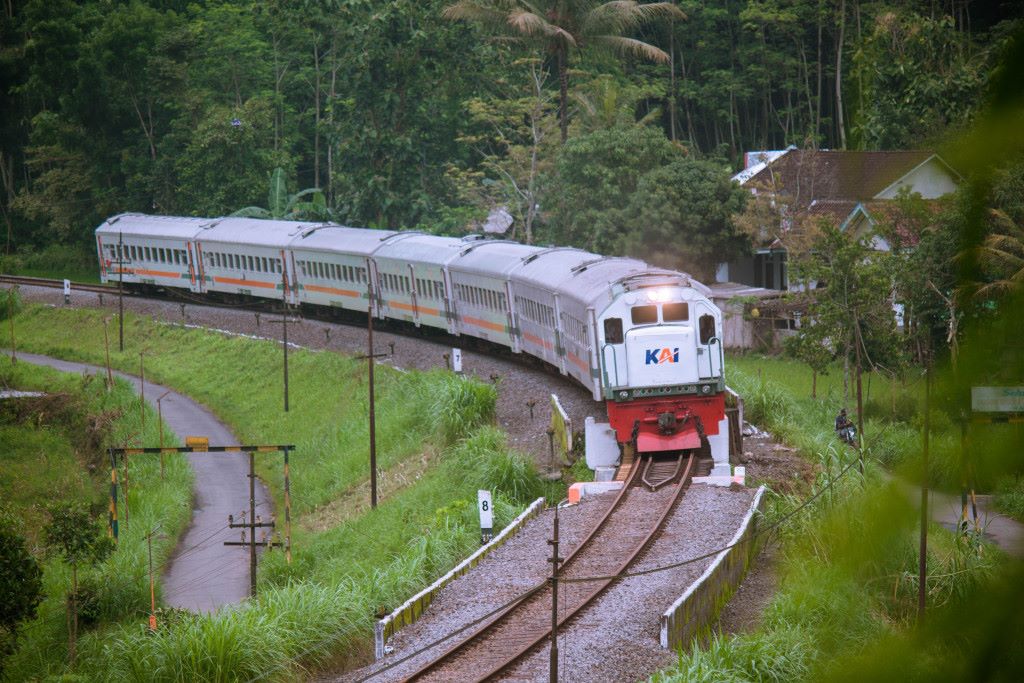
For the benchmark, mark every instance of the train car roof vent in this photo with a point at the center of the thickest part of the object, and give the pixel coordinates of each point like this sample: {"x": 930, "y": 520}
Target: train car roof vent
{"x": 530, "y": 258}
{"x": 402, "y": 234}
{"x": 576, "y": 270}
{"x": 480, "y": 243}
{"x": 307, "y": 231}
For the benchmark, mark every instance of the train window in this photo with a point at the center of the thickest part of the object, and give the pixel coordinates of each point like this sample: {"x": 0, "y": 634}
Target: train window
{"x": 671, "y": 313}
{"x": 145, "y": 253}
{"x": 643, "y": 315}
{"x": 613, "y": 331}
{"x": 707, "y": 328}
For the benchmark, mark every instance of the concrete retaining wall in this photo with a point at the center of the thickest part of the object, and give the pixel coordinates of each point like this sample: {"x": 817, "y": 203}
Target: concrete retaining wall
{"x": 411, "y": 610}
{"x": 692, "y": 614}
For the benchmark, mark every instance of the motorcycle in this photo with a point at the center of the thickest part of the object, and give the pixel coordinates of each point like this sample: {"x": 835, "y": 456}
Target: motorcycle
{"x": 848, "y": 434}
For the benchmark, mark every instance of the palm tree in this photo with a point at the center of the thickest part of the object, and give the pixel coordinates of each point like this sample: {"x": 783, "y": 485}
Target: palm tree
{"x": 559, "y": 26}
{"x": 1002, "y": 257}
{"x": 305, "y": 205}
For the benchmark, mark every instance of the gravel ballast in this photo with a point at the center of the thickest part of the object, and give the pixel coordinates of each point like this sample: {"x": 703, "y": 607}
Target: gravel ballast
{"x": 613, "y": 639}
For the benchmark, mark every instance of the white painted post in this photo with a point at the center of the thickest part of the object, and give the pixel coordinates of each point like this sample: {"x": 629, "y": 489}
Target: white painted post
{"x": 67, "y": 292}
{"x": 457, "y": 360}
{"x": 486, "y": 508}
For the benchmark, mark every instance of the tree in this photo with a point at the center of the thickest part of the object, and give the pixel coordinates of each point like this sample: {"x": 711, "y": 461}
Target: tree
{"x": 560, "y": 26}
{"x": 513, "y": 133}
{"x": 595, "y": 178}
{"x": 851, "y": 306}
{"x": 73, "y": 535}
{"x": 21, "y": 583}
{"x": 293, "y": 207}
{"x": 680, "y": 217}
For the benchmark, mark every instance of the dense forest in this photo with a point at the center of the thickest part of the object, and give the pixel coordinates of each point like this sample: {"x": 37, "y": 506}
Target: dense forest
{"x": 425, "y": 113}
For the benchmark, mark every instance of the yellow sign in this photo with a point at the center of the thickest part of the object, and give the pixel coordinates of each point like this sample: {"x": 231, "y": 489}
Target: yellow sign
{"x": 198, "y": 443}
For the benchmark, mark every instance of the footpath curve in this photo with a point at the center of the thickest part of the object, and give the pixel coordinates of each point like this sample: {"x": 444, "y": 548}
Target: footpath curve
{"x": 210, "y": 574}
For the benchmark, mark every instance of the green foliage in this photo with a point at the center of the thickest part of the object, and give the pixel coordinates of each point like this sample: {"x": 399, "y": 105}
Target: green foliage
{"x": 74, "y": 535}
{"x": 680, "y": 217}
{"x": 1009, "y": 497}
{"x": 918, "y": 75}
{"x": 21, "y": 585}
{"x": 10, "y": 303}
{"x": 281, "y": 205}
{"x": 461, "y": 404}
{"x": 850, "y": 311}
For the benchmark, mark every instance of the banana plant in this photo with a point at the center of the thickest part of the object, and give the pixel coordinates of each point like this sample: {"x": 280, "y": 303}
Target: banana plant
{"x": 308, "y": 204}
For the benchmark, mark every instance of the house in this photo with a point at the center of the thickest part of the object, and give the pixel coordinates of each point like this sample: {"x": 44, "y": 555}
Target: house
{"x": 852, "y": 190}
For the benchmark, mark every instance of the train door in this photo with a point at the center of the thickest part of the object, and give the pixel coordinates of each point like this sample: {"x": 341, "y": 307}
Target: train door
{"x": 450, "y": 306}
{"x": 195, "y": 275}
{"x": 614, "y": 372}
{"x": 373, "y": 293}
{"x": 560, "y": 350}
{"x": 709, "y": 342}
{"x": 514, "y": 333}
{"x": 414, "y": 296}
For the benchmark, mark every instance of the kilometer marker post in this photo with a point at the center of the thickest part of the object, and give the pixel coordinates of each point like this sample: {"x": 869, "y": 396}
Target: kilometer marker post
{"x": 486, "y": 509}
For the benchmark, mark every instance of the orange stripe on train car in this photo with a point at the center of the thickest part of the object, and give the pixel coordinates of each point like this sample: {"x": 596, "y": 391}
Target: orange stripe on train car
{"x": 244, "y": 283}
{"x": 401, "y": 305}
{"x": 157, "y": 273}
{"x": 333, "y": 290}
{"x": 485, "y": 324}
{"x": 537, "y": 340}
{"x": 578, "y": 362}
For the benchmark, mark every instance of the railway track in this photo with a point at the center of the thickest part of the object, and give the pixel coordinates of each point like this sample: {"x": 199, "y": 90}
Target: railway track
{"x": 26, "y": 281}
{"x": 634, "y": 518}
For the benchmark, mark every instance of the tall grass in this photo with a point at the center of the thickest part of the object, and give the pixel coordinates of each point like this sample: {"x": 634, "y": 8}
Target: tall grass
{"x": 74, "y": 466}
{"x": 323, "y": 603}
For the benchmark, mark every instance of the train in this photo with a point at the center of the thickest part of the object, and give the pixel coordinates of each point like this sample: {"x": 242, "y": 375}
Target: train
{"x": 645, "y": 341}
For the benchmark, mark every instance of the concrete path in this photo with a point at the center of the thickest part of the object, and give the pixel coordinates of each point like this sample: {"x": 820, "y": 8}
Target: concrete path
{"x": 945, "y": 509}
{"x": 202, "y": 574}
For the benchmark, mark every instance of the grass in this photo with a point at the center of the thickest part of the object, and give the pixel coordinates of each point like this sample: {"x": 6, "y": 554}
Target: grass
{"x": 848, "y": 562}
{"x": 436, "y": 448}
{"x": 77, "y": 264}
{"x": 53, "y": 449}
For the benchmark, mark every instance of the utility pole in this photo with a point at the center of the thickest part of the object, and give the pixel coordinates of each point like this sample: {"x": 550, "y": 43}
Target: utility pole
{"x": 152, "y": 589}
{"x": 251, "y": 524}
{"x": 370, "y": 356}
{"x": 284, "y": 323}
{"x": 120, "y": 290}
{"x": 922, "y": 562}
{"x": 106, "y": 350}
{"x": 142, "y": 394}
{"x": 160, "y": 424}
{"x": 555, "y": 560}
{"x": 860, "y": 403}
{"x": 11, "y": 293}
{"x": 373, "y": 417}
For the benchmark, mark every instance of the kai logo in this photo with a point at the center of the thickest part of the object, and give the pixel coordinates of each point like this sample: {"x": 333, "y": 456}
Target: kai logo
{"x": 659, "y": 356}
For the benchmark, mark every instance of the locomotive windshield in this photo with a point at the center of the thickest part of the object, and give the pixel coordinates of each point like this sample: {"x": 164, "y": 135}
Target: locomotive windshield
{"x": 672, "y": 313}
{"x": 643, "y": 315}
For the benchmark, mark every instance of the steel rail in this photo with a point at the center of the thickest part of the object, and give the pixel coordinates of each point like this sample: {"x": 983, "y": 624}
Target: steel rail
{"x": 538, "y": 635}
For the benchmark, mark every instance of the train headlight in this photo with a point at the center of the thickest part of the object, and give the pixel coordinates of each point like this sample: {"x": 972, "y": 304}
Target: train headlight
{"x": 706, "y": 389}
{"x": 660, "y": 295}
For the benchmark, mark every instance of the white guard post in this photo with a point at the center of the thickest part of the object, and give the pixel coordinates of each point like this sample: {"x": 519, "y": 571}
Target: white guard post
{"x": 486, "y": 508}
{"x": 601, "y": 448}
{"x": 457, "y": 360}
{"x": 67, "y": 292}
